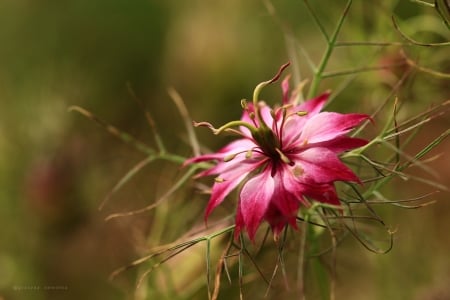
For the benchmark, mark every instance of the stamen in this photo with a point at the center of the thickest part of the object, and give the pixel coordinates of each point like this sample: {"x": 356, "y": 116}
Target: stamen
{"x": 273, "y": 114}
{"x": 230, "y": 157}
{"x": 283, "y": 157}
{"x": 283, "y": 121}
{"x": 249, "y": 153}
{"x": 301, "y": 113}
{"x": 244, "y": 104}
{"x": 298, "y": 171}
{"x": 287, "y": 106}
{"x": 219, "y": 179}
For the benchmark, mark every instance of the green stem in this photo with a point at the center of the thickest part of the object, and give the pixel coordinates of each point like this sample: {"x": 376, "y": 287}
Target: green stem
{"x": 257, "y": 91}
{"x": 326, "y": 56}
{"x": 171, "y": 157}
{"x": 235, "y": 124}
{"x": 317, "y": 20}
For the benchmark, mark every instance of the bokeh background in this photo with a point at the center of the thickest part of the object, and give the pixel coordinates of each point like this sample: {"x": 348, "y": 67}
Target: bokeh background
{"x": 56, "y": 167}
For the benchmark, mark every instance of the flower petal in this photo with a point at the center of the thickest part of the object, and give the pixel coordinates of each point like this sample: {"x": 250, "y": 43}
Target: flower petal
{"x": 340, "y": 144}
{"x": 285, "y": 89}
{"x": 282, "y": 209}
{"x": 321, "y": 165}
{"x": 322, "y": 192}
{"x": 240, "y": 145}
{"x": 286, "y": 201}
{"x": 326, "y": 126}
{"x": 294, "y": 124}
{"x": 325, "y": 193}
{"x": 276, "y": 219}
{"x": 254, "y": 200}
{"x": 313, "y": 106}
{"x": 229, "y": 181}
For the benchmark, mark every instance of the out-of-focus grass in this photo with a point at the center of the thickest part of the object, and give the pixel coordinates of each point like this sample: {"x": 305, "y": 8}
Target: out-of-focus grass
{"x": 56, "y": 167}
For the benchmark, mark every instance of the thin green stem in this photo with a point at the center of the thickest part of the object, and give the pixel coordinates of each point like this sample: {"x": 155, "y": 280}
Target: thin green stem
{"x": 172, "y": 158}
{"x": 164, "y": 197}
{"x": 317, "y": 20}
{"x": 123, "y": 136}
{"x": 186, "y": 118}
{"x": 394, "y": 22}
{"x": 326, "y": 56}
{"x": 369, "y": 44}
{"x": 361, "y": 70}
{"x": 236, "y": 124}
{"x": 208, "y": 267}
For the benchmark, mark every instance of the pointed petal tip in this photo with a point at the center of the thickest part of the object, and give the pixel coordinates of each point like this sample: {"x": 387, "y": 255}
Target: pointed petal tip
{"x": 207, "y": 212}
{"x": 237, "y": 233}
{"x": 326, "y": 93}
{"x": 187, "y": 162}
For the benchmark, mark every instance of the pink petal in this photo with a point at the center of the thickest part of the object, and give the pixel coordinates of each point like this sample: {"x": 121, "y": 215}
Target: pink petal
{"x": 291, "y": 177}
{"x": 282, "y": 210}
{"x": 240, "y": 145}
{"x": 293, "y": 126}
{"x": 223, "y": 167}
{"x": 231, "y": 179}
{"x": 318, "y": 191}
{"x": 325, "y": 193}
{"x": 326, "y": 126}
{"x": 322, "y": 166}
{"x": 201, "y": 158}
{"x": 220, "y": 191}
{"x": 276, "y": 219}
{"x": 313, "y": 106}
{"x": 284, "y": 205}
{"x": 266, "y": 114}
{"x": 341, "y": 144}
{"x": 254, "y": 199}
{"x": 285, "y": 201}
{"x": 291, "y": 131}
{"x": 285, "y": 89}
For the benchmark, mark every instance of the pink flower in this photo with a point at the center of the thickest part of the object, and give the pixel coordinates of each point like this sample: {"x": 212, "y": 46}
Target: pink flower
{"x": 283, "y": 157}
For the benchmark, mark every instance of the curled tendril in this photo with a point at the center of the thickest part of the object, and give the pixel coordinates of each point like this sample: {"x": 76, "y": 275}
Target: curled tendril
{"x": 412, "y": 41}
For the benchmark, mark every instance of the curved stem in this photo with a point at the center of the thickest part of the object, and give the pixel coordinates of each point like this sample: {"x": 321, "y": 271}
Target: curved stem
{"x": 235, "y": 124}
{"x": 258, "y": 89}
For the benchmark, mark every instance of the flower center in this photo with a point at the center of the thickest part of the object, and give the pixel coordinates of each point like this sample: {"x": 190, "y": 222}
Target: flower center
{"x": 267, "y": 141}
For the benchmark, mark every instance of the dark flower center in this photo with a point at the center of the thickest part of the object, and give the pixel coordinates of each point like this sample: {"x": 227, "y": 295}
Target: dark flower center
{"x": 268, "y": 142}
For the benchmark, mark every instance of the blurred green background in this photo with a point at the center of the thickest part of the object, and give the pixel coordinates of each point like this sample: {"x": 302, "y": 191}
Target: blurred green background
{"x": 56, "y": 167}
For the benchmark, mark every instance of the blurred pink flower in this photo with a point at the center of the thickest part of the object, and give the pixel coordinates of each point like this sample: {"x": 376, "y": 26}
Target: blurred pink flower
{"x": 284, "y": 155}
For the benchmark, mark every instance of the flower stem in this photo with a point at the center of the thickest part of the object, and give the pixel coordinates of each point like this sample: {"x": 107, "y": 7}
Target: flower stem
{"x": 326, "y": 56}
